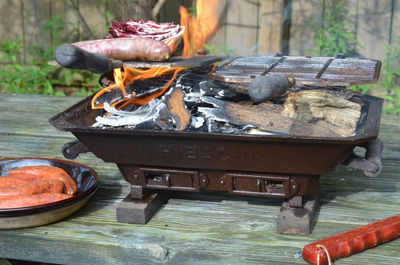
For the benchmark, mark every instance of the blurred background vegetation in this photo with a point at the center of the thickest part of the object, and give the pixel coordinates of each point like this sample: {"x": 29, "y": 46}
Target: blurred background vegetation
{"x": 357, "y": 28}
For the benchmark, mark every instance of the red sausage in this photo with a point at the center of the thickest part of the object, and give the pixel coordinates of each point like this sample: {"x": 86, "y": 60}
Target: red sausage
{"x": 127, "y": 48}
{"x": 31, "y": 200}
{"x": 11, "y": 182}
{"x": 33, "y": 173}
{"x": 39, "y": 186}
{"x": 352, "y": 241}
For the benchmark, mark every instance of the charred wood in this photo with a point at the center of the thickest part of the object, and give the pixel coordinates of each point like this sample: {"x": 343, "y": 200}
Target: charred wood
{"x": 328, "y": 112}
{"x": 175, "y": 110}
{"x": 306, "y": 113}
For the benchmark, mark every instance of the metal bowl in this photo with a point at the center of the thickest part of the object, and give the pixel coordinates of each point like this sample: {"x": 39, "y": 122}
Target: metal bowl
{"x": 85, "y": 177}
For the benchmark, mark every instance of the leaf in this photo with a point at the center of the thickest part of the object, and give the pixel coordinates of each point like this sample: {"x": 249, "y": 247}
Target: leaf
{"x": 209, "y": 48}
{"x": 59, "y": 93}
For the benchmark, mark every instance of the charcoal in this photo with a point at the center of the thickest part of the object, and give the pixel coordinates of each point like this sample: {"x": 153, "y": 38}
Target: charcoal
{"x": 213, "y": 89}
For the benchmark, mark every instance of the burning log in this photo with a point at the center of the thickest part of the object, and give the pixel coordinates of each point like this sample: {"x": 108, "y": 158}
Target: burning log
{"x": 305, "y": 113}
{"x": 175, "y": 109}
{"x": 265, "y": 116}
{"x": 325, "y": 110}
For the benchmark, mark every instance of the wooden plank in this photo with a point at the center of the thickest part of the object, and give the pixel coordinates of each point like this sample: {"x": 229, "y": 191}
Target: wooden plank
{"x": 301, "y": 34}
{"x": 373, "y": 29}
{"x": 132, "y": 9}
{"x": 204, "y": 228}
{"x": 93, "y": 13}
{"x": 60, "y": 7}
{"x": 396, "y": 23}
{"x": 270, "y": 27}
{"x": 218, "y": 40}
{"x": 35, "y": 123}
{"x": 35, "y": 15}
{"x": 352, "y": 7}
{"x": 10, "y": 28}
{"x": 170, "y": 10}
{"x": 242, "y": 30}
{"x": 396, "y": 32}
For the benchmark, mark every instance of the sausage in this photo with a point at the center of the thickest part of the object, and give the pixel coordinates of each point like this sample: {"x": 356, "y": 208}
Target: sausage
{"x": 352, "y": 241}
{"x": 31, "y": 200}
{"x": 42, "y": 172}
{"x": 39, "y": 186}
{"x": 127, "y": 48}
{"x": 11, "y": 182}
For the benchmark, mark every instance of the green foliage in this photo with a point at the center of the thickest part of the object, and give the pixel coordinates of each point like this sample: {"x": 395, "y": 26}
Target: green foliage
{"x": 35, "y": 75}
{"x": 55, "y": 26}
{"x": 20, "y": 77}
{"x": 388, "y": 85}
{"x": 225, "y": 50}
{"x": 332, "y": 35}
{"x": 107, "y": 14}
{"x": 390, "y": 79}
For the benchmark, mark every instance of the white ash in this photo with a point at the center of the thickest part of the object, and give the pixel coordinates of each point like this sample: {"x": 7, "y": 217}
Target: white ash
{"x": 213, "y": 126}
{"x": 153, "y": 115}
{"x": 146, "y": 113}
{"x": 255, "y": 131}
{"x": 192, "y": 97}
{"x": 197, "y": 122}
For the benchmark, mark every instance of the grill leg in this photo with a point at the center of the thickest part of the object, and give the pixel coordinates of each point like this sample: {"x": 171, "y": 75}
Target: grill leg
{"x": 296, "y": 201}
{"x": 138, "y": 192}
{"x": 134, "y": 211}
{"x": 298, "y": 220}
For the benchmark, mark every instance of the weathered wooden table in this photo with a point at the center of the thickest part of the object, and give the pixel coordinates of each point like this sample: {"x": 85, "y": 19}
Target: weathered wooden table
{"x": 193, "y": 228}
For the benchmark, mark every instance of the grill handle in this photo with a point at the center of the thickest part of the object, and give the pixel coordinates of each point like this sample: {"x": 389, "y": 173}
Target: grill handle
{"x": 73, "y": 57}
{"x": 72, "y": 149}
{"x": 371, "y": 164}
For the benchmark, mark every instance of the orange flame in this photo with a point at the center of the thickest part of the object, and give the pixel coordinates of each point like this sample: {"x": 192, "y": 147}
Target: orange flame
{"x": 195, "y": 35}
{"x": 127, "y": 77}
{"x": 150, "y": 74}
{"x": 200, "y": 28}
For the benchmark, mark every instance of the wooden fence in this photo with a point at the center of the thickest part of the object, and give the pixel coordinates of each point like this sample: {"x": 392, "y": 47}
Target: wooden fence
{"x": 247, "y": 27}
{"x": 267, "y": 26}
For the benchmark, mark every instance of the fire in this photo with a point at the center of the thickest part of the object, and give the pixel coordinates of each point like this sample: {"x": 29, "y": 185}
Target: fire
{"x": 197, "y": 29}
{"x": 128, "y": 76}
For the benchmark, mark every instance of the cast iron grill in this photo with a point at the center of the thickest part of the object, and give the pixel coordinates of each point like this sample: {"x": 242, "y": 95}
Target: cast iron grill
{"x": 274, "y": 165}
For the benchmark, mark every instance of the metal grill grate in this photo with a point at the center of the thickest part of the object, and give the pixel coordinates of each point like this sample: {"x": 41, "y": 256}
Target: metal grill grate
{"x": 326, "y": 71}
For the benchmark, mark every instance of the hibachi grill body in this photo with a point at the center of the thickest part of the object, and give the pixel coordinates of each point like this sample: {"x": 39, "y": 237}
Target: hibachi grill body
{"x": 275, "y": 165}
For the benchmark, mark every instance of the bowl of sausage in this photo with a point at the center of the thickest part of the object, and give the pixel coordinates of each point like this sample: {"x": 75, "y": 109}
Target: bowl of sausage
{"x": 39, "y": 191}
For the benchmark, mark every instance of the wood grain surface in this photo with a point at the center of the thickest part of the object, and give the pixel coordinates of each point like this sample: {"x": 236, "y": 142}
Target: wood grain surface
{"x": 210, "y": 228}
